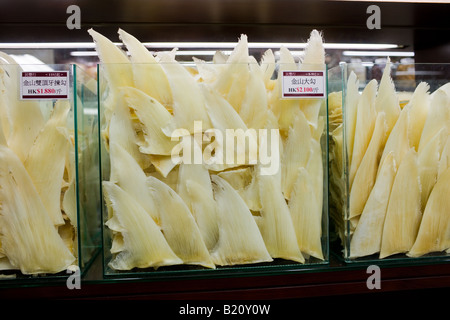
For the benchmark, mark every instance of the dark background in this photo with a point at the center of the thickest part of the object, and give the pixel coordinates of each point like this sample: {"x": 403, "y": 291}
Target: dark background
{"x": 421, "y": 27}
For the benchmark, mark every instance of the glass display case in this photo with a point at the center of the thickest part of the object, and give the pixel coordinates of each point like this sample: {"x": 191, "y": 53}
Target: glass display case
{"x": 389, "y": 162}
{"x": 50, "y": 213}
{"x": 208, "y": 169}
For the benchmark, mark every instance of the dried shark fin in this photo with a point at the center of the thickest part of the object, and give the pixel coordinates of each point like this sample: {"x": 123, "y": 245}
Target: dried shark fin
{"x": 434, "y": 231}
{"x": 121, "y": 131}
{"x": 153, "y": 116}
{"x": 398, "y": 141}
{"x": 403, "y": 214}
{"x": 39, "y": 248}
{"x": 306, "y": 212}
{"x": 366, "y": 174}
{"x": 350, "y": 113}
{"x": 275, "y": 221}
{"x": 245, "y": 182}
{"x": 428, "y": 162}
{"x": 47, "y": 159}
{"x": 283, "y": 109}
{"x": 314, "y": 50}
{"x": 313, "y": 59}
{"x": 179, "y": 226}
{"x": 21, "y": 120}
{"x": 254, "y": 107}
{"x": 365, "y": 123}
{"x": 419, "y": 106}
{"x": 268, "y": 65}
{"x": 195, "y": 188}
{"x": 188, "y": 101}
{"x": 229, "y": 125}
{"x": 444, "y": 159}
{"x": 115, "y": 62}
{"x": 387, "y": 100}
{"x": 438, "y": 117}
{"x": 130, "y": 177}
{"x": 232, "y": 79}
{"x": 240, "y": 241}
{"x": 148, "y": 73}
{"x": 143, "y": 243}
{"x": 366, "y": 239}
{"x": 295, "y": 153}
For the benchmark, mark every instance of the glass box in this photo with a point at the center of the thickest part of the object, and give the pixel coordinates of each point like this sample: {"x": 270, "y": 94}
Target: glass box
{"x": 49, "y": 179}
{"x": 195, "y": 186}
{"x": 388, "y": 162}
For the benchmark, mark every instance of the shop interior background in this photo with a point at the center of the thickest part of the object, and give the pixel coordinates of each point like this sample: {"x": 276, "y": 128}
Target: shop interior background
{"x": 39, "y": 32}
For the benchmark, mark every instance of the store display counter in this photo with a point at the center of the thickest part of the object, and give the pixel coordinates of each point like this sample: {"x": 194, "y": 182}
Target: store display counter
{"x": 328, "y": 282}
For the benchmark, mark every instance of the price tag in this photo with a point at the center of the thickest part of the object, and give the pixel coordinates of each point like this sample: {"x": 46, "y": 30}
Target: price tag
{"x": 303, "y": 84}
{"x": 38, "y": 85}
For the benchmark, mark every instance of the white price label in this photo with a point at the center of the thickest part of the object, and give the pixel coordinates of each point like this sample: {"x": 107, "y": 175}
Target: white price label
{"x": 303, "y": 84}
{"x": 38, "y": 85}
